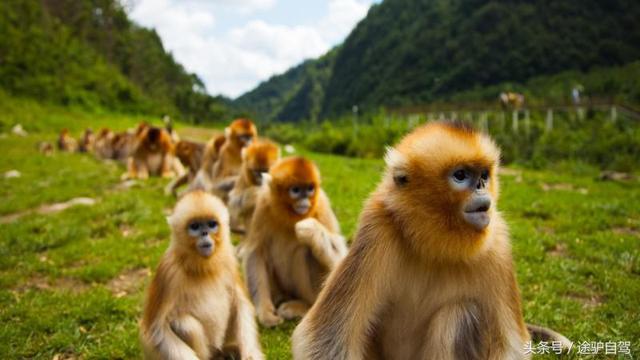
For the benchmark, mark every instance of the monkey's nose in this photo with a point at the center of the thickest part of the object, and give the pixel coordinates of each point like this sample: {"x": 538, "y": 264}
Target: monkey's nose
{"x": 480, "y": 203}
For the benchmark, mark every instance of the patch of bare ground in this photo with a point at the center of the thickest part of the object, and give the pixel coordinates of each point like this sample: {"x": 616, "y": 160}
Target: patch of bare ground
{"x": 517, "y": 174}
{"x": 547, "y": 230}
{"x": 48, "y": 209}
{"x": 41, "y": 282}
{"x": 623, "y": 230}
{"x": 126, "y": 230}
{"x": 557, "y": 250}
{"x": 563, "y": 187}
{"x": 616, "y": 176}
{"x": 128, "y": 282}
{"x": 588, "y": 301}
{"x": 69, "y": 355}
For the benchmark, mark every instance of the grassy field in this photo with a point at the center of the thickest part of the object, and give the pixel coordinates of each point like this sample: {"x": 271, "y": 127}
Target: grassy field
{"x": 72, "y": 282}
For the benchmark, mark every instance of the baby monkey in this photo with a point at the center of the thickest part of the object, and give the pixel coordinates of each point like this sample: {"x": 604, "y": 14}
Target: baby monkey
{"x": 197, "y": 306}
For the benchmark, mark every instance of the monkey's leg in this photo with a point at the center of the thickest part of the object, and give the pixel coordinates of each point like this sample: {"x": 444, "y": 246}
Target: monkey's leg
{"x": 193, "y": 334}
{"x": 327, "y": 247}
{"x": 457, "y": 331}
{"x": 143, "y": 170}
{"x": 166, "y": 170}
{"x": 132, "y": 171}
{"x": 258, "y": 282}
{"x": 243, "y": 334}
{"x": 171, "y": 188}
{"x": 293, "y": 309}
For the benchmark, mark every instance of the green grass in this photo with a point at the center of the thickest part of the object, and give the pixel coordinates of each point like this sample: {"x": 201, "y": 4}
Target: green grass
{"x": 576, "y": 247}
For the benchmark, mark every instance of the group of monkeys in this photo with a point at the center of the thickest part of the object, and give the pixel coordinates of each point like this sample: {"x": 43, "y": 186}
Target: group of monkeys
{"x": 429, "y": 273}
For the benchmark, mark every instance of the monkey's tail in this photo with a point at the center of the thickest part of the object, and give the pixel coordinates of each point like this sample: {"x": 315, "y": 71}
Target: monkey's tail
{"x": 539, "y": 333}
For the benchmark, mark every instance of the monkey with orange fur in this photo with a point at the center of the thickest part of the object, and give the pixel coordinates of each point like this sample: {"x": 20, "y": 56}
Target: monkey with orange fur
{"x": 197, "y": 307}
{"x": 430, "y": 273}
{"x": 293, "y": 242}
{"x": 102, "y": 144}
{"x": 87, "y": 141}
{"x": 66, "y": 142}
{"x": 153, "y": 155}
{"x": 257, "y": 159}
{"x": 219, "y": 177}
{"x": 190, "y": 154}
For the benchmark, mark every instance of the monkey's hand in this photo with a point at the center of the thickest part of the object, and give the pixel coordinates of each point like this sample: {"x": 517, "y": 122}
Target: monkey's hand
{"x": 327, "y": 247}
{"x": 293, "y": 309}
{"x": 268, "y": 318}
{"x": 309, "y": 231}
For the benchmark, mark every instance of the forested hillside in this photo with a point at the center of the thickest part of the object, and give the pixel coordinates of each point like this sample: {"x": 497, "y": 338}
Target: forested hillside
{"x": 88, "y": 53}
{"x": 417, "y": 51}
{"x": 297, "y": 94}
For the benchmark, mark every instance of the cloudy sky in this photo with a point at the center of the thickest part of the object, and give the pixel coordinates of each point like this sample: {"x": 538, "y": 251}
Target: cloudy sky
{"x": 233, "y": 45}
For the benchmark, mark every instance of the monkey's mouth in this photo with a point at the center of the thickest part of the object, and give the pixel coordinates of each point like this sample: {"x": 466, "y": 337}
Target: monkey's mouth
{"x": 476, "y": 213}
{"x": 205, "y": 248}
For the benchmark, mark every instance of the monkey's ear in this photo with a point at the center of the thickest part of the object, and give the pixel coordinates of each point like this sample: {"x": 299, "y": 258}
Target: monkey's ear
{"x": 397, "y": 164}
{"x": 394, "y": 159}
{"x": 266, "y": 179}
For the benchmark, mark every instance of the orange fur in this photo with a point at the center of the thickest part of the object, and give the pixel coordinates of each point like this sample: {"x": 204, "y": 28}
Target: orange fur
{"x": 219, "y": 177}
{"x": 288, "y": 254}
{"x": 87, "y": 141}
{"x": 196, "y": 306}
{"x": 257, "y": 159}
{"x": 420, "y": 281}
{"x": 153, "y": 154}
{"x": 66, "y": 142}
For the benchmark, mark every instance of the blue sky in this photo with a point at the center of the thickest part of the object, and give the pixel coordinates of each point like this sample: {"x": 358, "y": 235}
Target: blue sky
{"x": 233, "y": 45}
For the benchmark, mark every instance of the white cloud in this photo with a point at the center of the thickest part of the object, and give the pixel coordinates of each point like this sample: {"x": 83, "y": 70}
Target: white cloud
{"x": 235, "y": 60}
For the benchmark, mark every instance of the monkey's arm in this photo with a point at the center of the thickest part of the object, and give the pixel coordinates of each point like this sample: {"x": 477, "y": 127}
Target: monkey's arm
{"x": 259, "y": 283}
{"x": 171, "y": 188}
{"x": 159, "y": 335}
{"x": 244, "y": 332}
{"x": 339, "y": 324}
{"x": 328, "y": 248}
{"x": 225, "y": 184}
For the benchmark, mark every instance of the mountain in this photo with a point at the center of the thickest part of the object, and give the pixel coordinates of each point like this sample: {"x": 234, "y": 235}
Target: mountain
{"x": 417, "y": 51}
{"x": 89, "y": 53}
{"x": 296, "y": 94}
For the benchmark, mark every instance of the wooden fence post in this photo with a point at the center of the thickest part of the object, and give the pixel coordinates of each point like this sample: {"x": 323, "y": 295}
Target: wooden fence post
{"x": 614, "y": 113}
{"x": 549, "y": 121}
{"x": 514, "y": 121}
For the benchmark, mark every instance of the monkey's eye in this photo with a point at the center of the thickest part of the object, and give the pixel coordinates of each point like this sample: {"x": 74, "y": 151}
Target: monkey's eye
{"x": 460, "y": 175}
{"x": 311, "y": 189}
{"x": 485, "y": 175}
{"x": 212, "y": 224}
{"x": 294, "y": 191}
{"x": 195, "y": 226}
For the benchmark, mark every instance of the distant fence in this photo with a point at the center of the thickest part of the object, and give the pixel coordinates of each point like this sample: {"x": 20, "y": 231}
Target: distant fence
{"x": 485, "y": 114}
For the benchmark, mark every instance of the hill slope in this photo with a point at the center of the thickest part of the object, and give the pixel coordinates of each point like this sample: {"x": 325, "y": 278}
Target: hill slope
{"x": 296, "y": 94}
{"x": 89, "y": 53}
{"x": 415, "y": 51}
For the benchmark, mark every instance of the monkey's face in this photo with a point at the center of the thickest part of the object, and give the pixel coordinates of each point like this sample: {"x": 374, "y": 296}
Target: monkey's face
{"x": 302, "y": 197}
{"x": 199, "y": 224}
{"x": 242, "y": 132}
{"x": 295, "y": 184}
{"x": 443, "y": 188}
{"x": 259, "y": 158}
{"x": 201, "y": 231}
{"x": 473, "y": 183}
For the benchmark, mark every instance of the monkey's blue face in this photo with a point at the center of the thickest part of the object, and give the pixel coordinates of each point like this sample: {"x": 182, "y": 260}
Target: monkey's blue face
{"x": 475, "y": 182}
{"x": 201, "y": 231}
